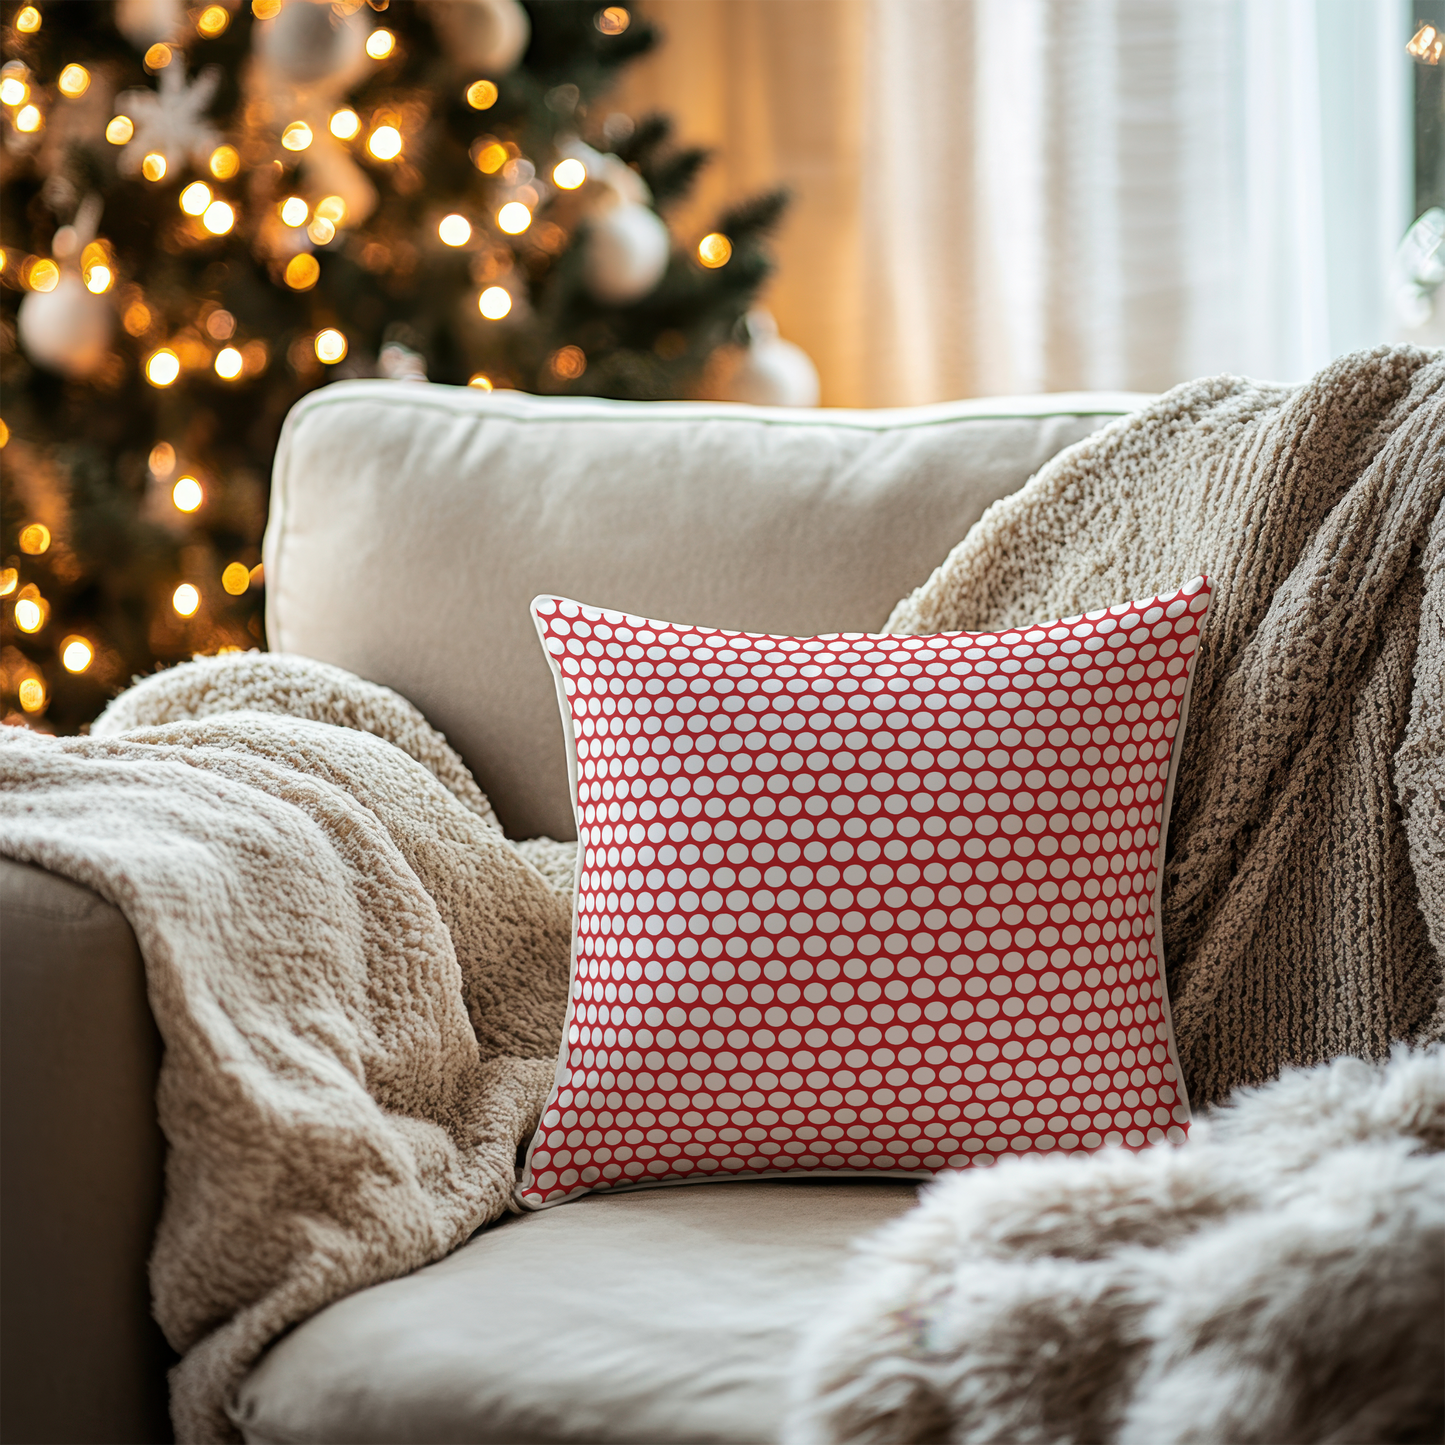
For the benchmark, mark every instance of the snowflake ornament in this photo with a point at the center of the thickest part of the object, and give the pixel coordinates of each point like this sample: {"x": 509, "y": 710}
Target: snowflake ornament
{"x": 170, "y": 121}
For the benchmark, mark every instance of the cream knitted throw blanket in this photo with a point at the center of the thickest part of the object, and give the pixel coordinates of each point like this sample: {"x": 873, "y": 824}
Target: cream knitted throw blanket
{"x": 359, "y": 983}
{"x": 1304, "y": 893}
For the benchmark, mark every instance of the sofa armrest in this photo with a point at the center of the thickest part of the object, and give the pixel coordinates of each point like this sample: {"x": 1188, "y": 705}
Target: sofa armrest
{"x": 80, "y": 1357}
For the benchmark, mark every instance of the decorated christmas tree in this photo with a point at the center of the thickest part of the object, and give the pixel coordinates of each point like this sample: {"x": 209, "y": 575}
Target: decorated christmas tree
{"x": 209, "y": 210}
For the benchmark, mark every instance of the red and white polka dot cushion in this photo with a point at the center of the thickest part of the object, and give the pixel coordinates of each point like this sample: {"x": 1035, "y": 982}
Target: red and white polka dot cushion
{"x": 858, "y": 903}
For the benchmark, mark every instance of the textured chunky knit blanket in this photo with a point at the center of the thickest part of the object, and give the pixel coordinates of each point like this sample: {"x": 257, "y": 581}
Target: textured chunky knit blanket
{"x": 359, "y": 983}
{"x": 1281, "y": 1276}
{"x": 1304, "y": 891}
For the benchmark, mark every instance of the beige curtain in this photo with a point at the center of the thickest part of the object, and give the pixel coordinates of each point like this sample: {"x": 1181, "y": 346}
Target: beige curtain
{"x": 1002, "y": 196}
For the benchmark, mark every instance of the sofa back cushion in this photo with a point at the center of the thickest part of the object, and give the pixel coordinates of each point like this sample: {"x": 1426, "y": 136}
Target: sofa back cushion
{"x": 411, "y": 525}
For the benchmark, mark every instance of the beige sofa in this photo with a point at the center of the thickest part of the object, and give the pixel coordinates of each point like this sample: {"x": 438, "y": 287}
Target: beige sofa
{"x": 410, "y": 526}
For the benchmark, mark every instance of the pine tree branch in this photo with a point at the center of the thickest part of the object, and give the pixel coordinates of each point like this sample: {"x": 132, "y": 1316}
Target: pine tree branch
{"x": 750, "y": 220}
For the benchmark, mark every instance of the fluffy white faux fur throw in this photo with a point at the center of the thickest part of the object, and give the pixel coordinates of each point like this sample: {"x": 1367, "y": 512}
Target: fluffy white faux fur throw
{"x": 1279, "y": 1278}
{"x": 359, "y": 982}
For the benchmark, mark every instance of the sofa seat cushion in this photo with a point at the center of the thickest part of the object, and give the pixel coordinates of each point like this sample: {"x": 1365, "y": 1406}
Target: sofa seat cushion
{"x": 683, "y": 1331}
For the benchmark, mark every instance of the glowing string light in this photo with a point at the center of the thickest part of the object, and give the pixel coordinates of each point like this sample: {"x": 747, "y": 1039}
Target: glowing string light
{"x": 491, "y": 158}
{"x": 1427, "y": 44}
{"x": 384, "y": 143}
{"x": 514, "y": 218}
{"x": 187, "y": 494}
{"x": 163, "y": 367}
{"x": 73, "y": 82}
{"x": 569, "y": 174}
{"x": 303, "y": 271}
{"x": 495, "y": 302}
{"x": 76, "y": 654}
{"x": 455, "y": 230}
{"x": 714, "y": 250}
{"x": 330, "y": 346}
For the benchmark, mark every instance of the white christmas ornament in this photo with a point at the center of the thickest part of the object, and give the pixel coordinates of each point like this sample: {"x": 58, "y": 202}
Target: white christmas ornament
{"x": 627, "y": 250}
{"x": 607, "y": 169}
{"x": 773, "y": 372}
{"x": 309, "y": 44}
{"x": 145, "y": 22}
{"x": 489, "y": 36}
{"x": 628, "y": 243}
{"x": 170, "y": 120}
{"x": 66, "y": 330}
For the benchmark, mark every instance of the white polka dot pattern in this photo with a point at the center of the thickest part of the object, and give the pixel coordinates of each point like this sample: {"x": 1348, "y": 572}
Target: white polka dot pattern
{"x": 863, "y": 903}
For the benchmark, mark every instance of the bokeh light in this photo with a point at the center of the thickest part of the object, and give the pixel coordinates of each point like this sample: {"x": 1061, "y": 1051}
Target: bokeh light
{"x": 384, "y": 143}
{"x": 455, "y": 230}
{"x": 330, "y": 346}
{"x": 495, "y": 302}
{"x": 187, "y": 494}
{"x": 569, "y": 174}
{"x": 76, "y": 654}
{"x": 714, "y": 250}
{"x": 163, "y": 367}
{"x": 514, "y": 218}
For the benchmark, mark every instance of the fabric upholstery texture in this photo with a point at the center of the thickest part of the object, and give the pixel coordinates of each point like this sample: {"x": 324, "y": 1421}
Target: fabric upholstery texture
{"x": 863, "y": 903}
{"x": 652, "y": 1318}
{"x": 404, "y": 515}
{"x": 355, "y": 976}
{"x": 1304, "y": 897}
{"x": 80, "y": 1193}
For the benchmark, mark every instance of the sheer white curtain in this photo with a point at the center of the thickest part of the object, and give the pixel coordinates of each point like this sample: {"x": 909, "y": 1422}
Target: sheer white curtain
{"x": 1025, "y": 195}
